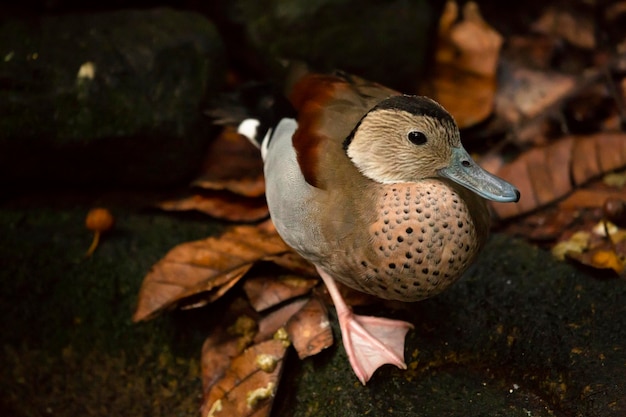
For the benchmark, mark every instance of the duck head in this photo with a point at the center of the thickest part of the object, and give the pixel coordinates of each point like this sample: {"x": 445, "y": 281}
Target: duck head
{"x": 409, "y": 138}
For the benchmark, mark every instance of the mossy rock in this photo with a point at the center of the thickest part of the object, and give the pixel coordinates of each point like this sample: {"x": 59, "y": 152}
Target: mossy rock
{"x": 383, "y": 41}
{"x": 114, "y": 98}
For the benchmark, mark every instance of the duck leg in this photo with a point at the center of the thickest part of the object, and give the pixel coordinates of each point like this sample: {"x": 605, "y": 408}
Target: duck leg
{"x": 370, "y": 342}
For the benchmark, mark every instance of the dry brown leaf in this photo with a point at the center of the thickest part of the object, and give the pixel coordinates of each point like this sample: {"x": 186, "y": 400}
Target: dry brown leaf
{"x": 217, "y": 352}
{"x": 267, "y": 291}
{"x": 546, "y": 225}
{"x": 577, "y": 28}
{"x": 269, "y": 324}
{"x": 531, "y": 51}
{"x": 615, "y": 179}
{"x": 577, "y": 243}
{"x": 214, "y": 292}
{"x": 545, "y": 174}
{"x": 588, "y": 198}
{"x": 220, "y": 204}
{"x": 247, "y": 187}
{"x": 247, "y": 388}
{"x": 607, "y": 259}
{"x": 309, "y": 329}
{"x": 232, "y": 184}
{"x": 464, "y": 71}
{"x": 224, "y": 344}
{"x": 295, "y": 263}
{"x": 525, "y": 93}
{"x": 601, "y": 246}
{"x": 204, "y": 265}
{"x": 233, "y": 164}
{"x": 604, "y": 259}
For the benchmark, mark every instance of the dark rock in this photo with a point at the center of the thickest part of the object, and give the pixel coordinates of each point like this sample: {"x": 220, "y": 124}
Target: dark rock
{"x": 112, "y": 97}
{"x": 383, "y": 41}
{"x": 522, "y": 334}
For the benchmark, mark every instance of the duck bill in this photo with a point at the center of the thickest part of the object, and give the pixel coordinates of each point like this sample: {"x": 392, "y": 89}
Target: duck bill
{"x": 465, "y": 171}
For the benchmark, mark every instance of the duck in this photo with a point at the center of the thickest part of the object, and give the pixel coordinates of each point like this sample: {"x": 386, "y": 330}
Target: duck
{"x": 376, "y": 190}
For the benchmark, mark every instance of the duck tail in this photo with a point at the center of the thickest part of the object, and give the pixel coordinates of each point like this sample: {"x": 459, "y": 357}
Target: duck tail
{"x": 255, "y": 108}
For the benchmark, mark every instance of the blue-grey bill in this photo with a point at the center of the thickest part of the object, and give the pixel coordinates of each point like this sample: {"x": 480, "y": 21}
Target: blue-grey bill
{"x": 465, "y": 171}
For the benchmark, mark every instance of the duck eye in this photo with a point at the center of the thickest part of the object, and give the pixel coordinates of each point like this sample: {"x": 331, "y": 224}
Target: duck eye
{"x": 417, "y": 138}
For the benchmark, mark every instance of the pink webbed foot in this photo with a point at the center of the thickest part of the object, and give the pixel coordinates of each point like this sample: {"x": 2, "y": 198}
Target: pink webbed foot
{"x": 370, "y": 342}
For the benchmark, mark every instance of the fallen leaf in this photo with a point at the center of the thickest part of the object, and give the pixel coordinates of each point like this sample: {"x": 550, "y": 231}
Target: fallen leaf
{"x": 231, "y": 186}
{"x": 576, "y": 28}
{"x": 203, "y": 266}
{"x": 220, "y": 204}
{"x": 233, "y": 164}
{"x": 247, "y": 187}
{"x": 548, "y": 173}
{"x": 590, "y": 197}
{"x": 545, "y": 225}
{"x": 576, "y": 244}
{"x": 295, "y": 263}
{"x": 534, "y": 51}
{"x": 525, "y": 93}
{"x": 267, "y": 291}
{"x": 278, "y": 318}
{"x": 601, "y": 247}
{"x": 599, "y": 259}
{"x": 464, "y": 72}
{"x": 615, "y": 179}
{"x": 309, "y": 329}
{"x": 248, "y": 386}
{"x": 217, "y": 352}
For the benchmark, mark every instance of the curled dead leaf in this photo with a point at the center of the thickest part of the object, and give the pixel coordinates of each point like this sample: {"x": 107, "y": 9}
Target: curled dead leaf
{"x": 220, "y": 204}
{"x": 602, "y": 259}
{"x": 277, "y": 319}
{"x": 530, "y": 50}
{"x": 548, "y": 173}
{"x": 309, "y": 329}
{"x": 217, "y": 352}
{"x": 577, "y": 28}
{"x": 464, "y": 71}
{"x": 267, "y": 291}
{"x": 603, "y": 247}
{"x": 203, "y": 266}
{"x": 295, "y": 263}
{"x": 248, "y": 386}
{"x": 232, "y": 164}
{"x": 578, "y": 243}
{"x": 607, "y": 259}
{"x": 525, "y": 93}
{"x": 546, "y": 225}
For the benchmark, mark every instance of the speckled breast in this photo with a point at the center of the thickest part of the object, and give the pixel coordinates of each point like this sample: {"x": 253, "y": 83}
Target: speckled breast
{"x": 423, "y": 240}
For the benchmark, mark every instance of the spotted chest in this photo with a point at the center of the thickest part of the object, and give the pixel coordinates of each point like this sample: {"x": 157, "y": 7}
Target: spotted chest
{"x": 423, "y": 239}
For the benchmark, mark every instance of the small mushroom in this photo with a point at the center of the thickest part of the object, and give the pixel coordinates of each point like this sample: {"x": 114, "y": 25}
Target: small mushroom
{"x": 99, "y": 220}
